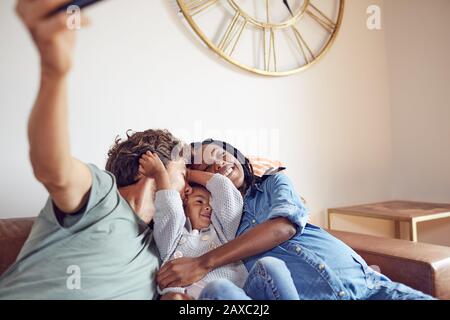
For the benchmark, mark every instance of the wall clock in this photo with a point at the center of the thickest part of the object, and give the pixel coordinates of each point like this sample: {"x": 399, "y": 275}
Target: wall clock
{"x": 267, "y": 37}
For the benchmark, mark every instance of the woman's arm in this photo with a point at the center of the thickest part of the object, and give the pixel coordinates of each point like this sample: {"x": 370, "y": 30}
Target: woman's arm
{"x": 185, "y": 271}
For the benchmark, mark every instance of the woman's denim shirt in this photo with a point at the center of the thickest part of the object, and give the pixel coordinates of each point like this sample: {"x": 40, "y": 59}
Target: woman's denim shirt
{"x": 321, "y": 266}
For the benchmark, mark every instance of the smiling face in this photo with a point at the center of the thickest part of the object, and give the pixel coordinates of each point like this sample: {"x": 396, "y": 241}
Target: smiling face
{"x": 197, "y": 208}
{"x": 215, "y": 159}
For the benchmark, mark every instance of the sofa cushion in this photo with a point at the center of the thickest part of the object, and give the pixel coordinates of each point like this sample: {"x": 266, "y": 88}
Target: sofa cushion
{"x": 422, "y": 266}
{"x": 261, "y": 165}
{"x": 13, "y": 234}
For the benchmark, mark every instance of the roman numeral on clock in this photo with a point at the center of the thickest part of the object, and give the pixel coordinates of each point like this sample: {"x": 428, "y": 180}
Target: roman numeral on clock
{"x": 232, "y": 34}
{"x": 270, "y": 56}
{"x": 318, "y": 16}
{"x": 197, "y": 6}
{"x": 306, "y": 51}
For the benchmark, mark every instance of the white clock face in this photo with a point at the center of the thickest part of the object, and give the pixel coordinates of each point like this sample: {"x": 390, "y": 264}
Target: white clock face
{"x": 269, "y": 37}
{"x": 276, "y": 12}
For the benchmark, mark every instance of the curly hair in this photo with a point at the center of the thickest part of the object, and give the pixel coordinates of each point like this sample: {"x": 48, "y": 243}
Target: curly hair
{"x": 124, "y": 155}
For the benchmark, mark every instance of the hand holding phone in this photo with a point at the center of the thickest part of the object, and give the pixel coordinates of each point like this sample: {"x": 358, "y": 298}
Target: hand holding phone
{"x": 53, "y": 39}
{"x": 79, "y": 3}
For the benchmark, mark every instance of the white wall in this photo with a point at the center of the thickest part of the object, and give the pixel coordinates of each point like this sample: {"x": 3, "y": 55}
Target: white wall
{"x": 418, "y": 46}
{"x": 138, "y": 67}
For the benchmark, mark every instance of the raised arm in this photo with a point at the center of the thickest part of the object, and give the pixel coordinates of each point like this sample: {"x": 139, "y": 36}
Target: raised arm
{"x": 227, "y": 204}
{"x": 169, "y": 215}
{"x": 169, "y": 222}
{"x": 66, "y": 179}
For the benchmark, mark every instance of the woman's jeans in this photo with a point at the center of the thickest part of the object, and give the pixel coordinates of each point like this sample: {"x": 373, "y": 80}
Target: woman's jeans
{"x": 269, "y": 279}
{"x": 379, "y": 287}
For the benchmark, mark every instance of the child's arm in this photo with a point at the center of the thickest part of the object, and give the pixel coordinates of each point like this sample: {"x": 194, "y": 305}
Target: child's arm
{"x": 227, "y": 205}
{"x": 169, "y": 222}
{"x": 169, "y": 216}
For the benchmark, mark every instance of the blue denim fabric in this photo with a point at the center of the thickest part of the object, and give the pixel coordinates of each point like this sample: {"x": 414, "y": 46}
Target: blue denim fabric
{"x": 269, "y": 279}
{"x": 381, "y": 288}
{"x": 322, "y": 266}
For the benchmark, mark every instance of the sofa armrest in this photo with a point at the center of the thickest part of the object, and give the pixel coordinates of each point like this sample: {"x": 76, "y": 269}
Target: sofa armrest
{"x": 422, "y": 266}
{"x": 13, "y": 234}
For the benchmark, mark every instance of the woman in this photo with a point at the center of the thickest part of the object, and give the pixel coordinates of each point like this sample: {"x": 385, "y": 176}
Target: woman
{"x": 274, "y": 224}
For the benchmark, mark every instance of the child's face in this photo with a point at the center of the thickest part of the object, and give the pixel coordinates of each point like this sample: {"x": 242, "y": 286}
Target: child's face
{"x": 197, "y": 208}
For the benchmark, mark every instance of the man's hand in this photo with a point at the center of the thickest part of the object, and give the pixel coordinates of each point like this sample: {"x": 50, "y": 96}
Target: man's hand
{"x": 53, "y": 39}
{"x": 151, "y": 166}
{"x": 182, "y": 272}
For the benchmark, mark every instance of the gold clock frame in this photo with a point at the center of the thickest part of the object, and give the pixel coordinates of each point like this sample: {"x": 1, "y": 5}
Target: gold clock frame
{"x": 223, "y": 55}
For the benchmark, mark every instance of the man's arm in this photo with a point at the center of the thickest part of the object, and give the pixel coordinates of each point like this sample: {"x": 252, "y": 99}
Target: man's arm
{"x": 66, "y": 179}
{"x": 185, "y": 271}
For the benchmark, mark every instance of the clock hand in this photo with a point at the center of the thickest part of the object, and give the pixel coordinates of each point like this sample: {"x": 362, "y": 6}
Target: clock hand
{"x": 286, "y": 3}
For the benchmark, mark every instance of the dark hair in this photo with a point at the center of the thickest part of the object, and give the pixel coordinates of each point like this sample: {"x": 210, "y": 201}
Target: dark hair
{"x": 196, "y": 185}
{"x": 124, "y": 155}
{"x": 250, "y": 179}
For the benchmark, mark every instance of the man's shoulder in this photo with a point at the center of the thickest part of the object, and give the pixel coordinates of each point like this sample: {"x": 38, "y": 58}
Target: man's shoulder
{"x": 105, "y": 178}
{"x": 103, "y": 186}
{"x": 102, "y": 199}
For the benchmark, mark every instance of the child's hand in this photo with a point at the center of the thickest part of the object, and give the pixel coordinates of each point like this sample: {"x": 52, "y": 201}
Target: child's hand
{"x": 151, "y": 166}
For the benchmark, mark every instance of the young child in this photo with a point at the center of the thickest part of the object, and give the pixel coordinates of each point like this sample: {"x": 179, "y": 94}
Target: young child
{"x": 204, "y": 220}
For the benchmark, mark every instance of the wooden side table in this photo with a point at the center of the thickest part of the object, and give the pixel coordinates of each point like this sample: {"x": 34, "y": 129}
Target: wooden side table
{"x": 396, "y": 211}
